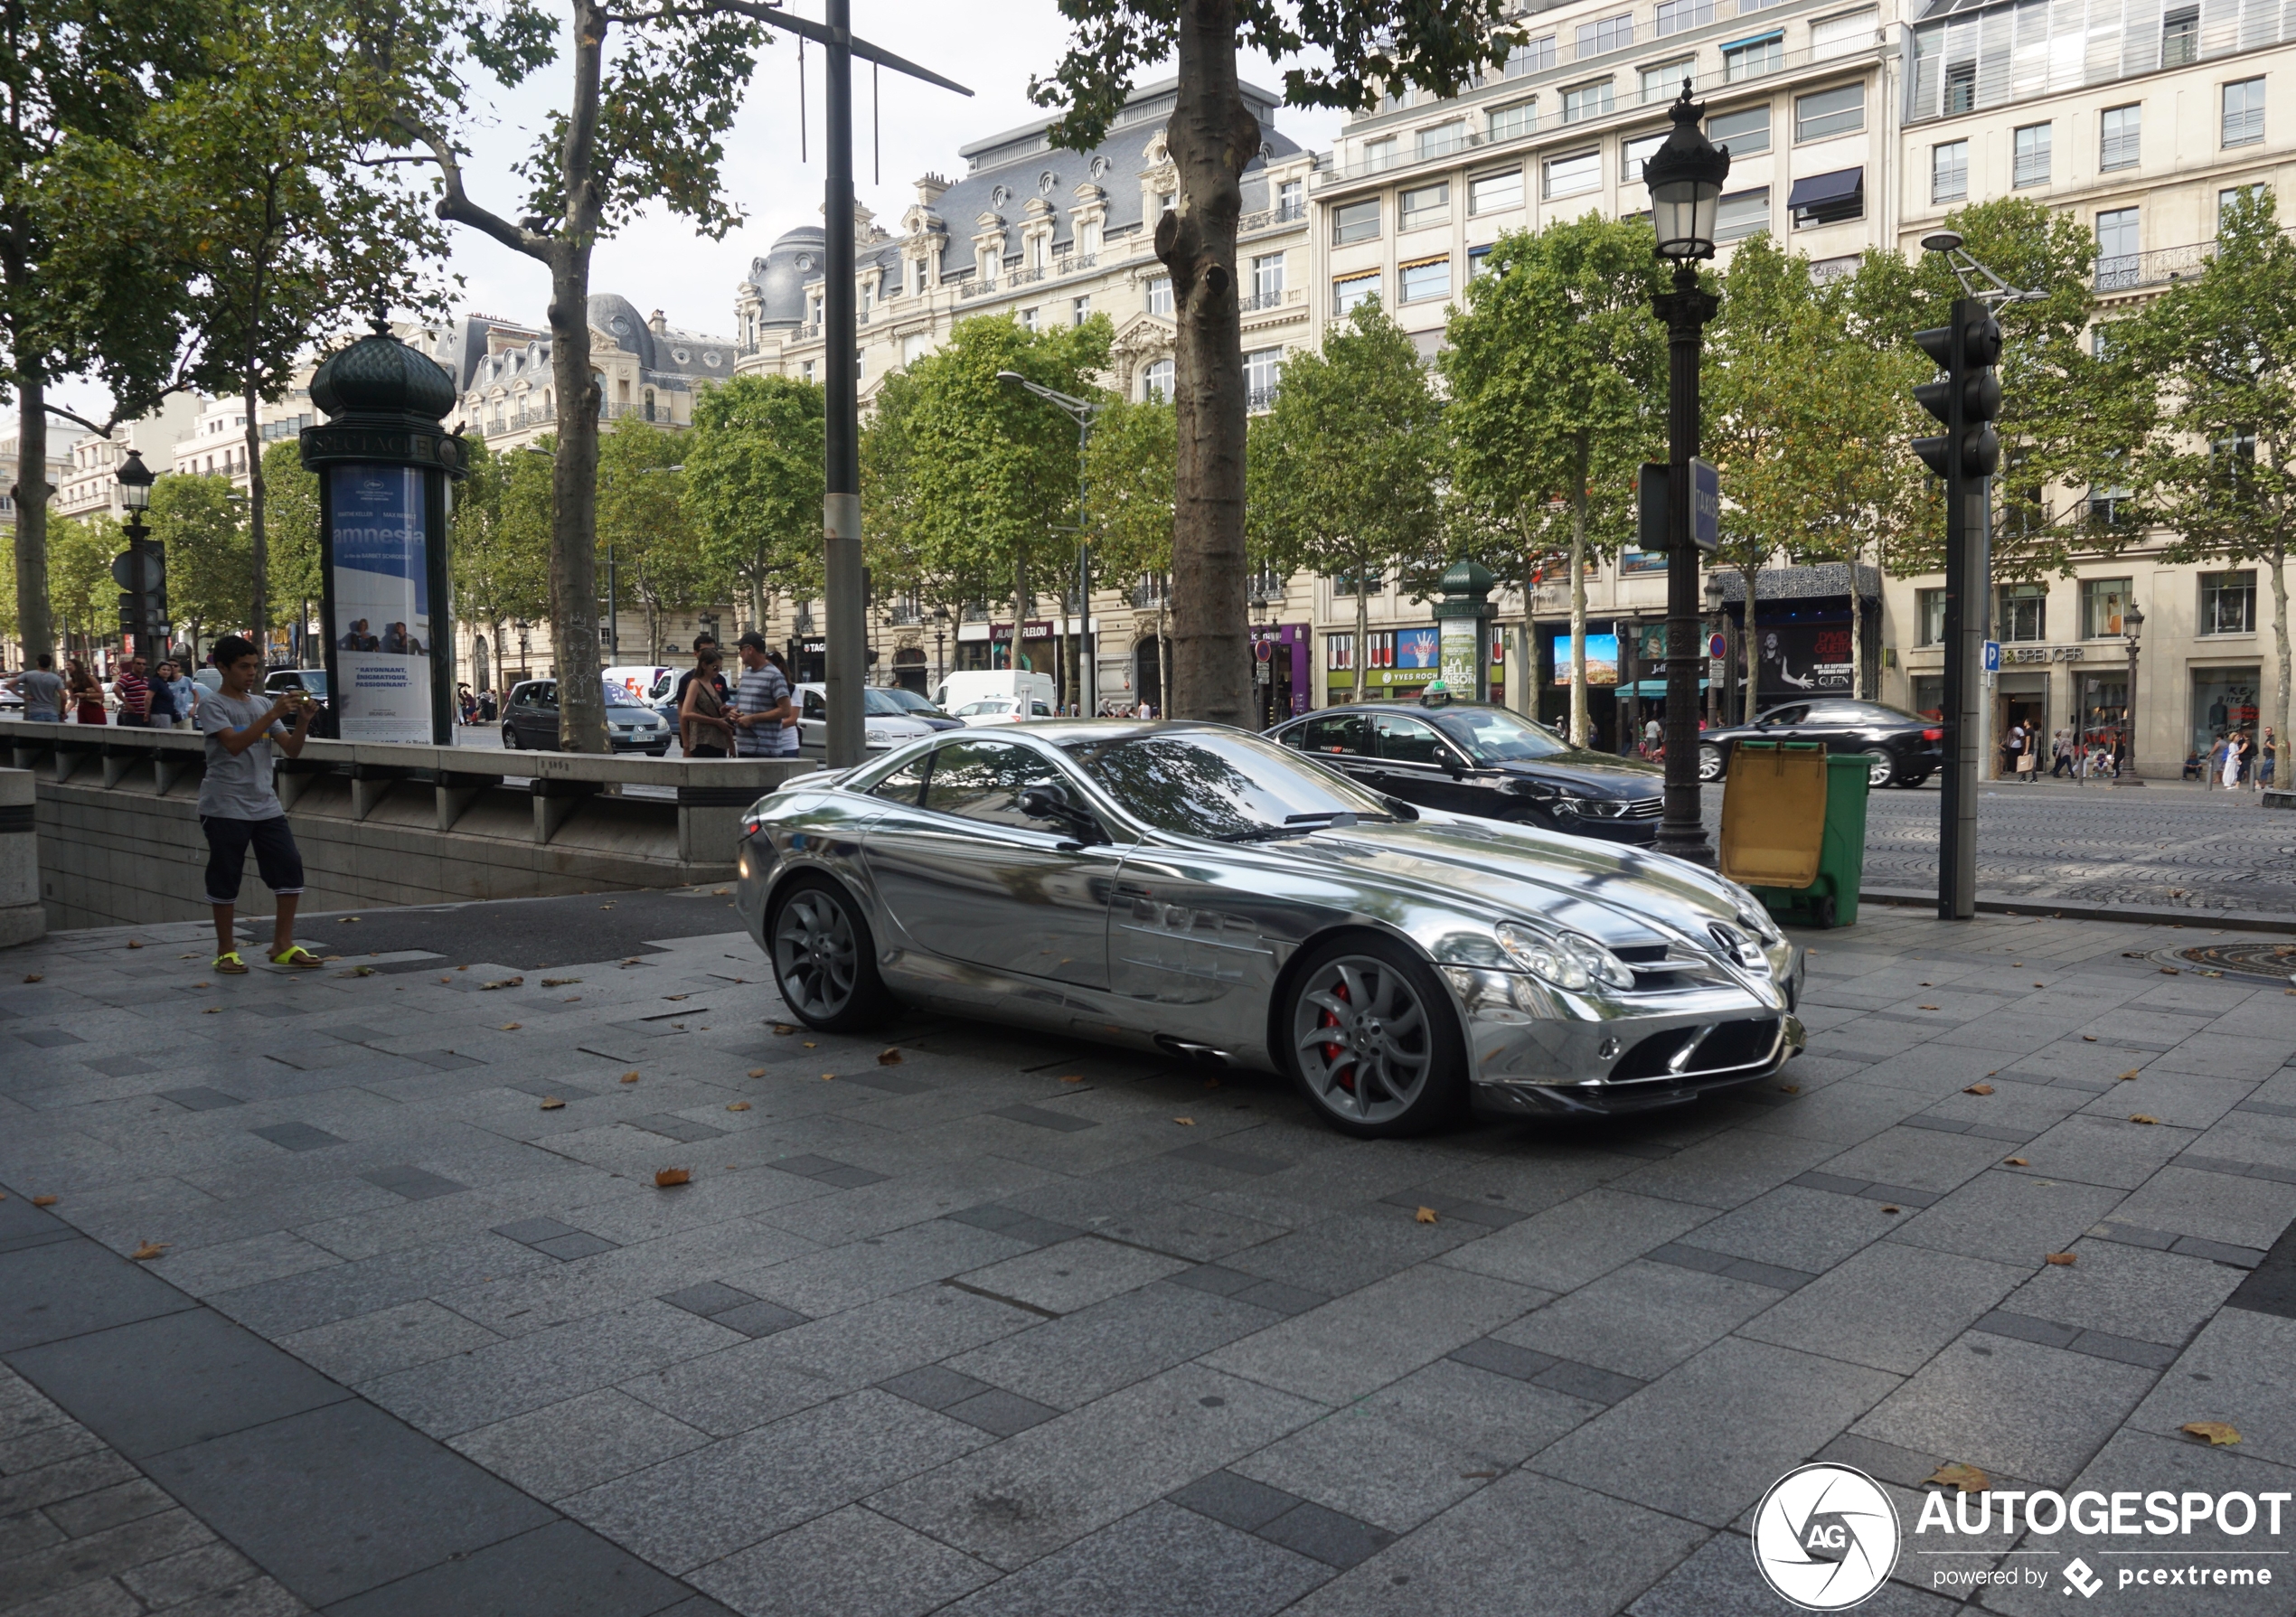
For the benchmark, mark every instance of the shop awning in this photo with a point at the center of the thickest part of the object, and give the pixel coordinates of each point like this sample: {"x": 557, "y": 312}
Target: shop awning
{"x": 1651, "y": 687}
{"x": 1820, "y": 191}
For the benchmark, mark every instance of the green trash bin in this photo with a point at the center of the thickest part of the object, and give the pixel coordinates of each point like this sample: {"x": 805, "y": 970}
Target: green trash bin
{"x": 1831, "y": 900}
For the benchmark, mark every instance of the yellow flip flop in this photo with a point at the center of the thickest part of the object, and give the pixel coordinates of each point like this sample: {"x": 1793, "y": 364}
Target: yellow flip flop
{"x": 297, "y": 958}
{"x": 230, "y": 965}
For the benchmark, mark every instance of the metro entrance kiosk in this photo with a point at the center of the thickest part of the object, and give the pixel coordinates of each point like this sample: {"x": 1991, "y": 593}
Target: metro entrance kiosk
{"x": 384, "y": 466}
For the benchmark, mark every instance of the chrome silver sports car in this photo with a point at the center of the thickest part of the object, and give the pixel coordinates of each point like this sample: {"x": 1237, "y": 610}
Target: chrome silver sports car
{"x": 1200, "y": 890}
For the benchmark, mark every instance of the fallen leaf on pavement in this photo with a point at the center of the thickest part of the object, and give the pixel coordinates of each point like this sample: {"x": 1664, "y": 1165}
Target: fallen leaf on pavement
{"x": 1978, "y": 1089}
{"x": 2142, "y": 1117}
{"x": 811, "y": 1045}
{"x": 445, "y": 979}
{"x": 2088, "y": 1039}
{"x": 2169, "y": 971}
{"x": 677, "y": 996}
{"x": 2125, "y": 1076}
{"x": 2017, "y": 1162}
{"x": 737, "y": 1106}
{"x": 135, "y": 942}
{"x": 344, "y": 920}
{"x": 34, "y": 976}
{"x": 718, "y": 892}
{"x": 1891, "y": 1209}
{"x": 462, "y": 968}
{"x": 212, "y": 1010}
{"x": 784, "y": 1028}
{"x": 44, "y": 1201}
{"x": 1185, "y": 1123}
{"x": 1924, "y": 1007}
{"x": 757, "y": 1072}
{"x": 1967, "y": 1477}
{"x": 2063, "y": 1260}
{"x": 1425, "y": 1216}
{"x": 148, "y": 1251}
{"x": 2132, "y": 954}
{"x": 629, "y": 1077}
{"x": 2216, "y": 1432}
{"x": 1074, "y": 1077}
{"x": 888, "y": 1057}
{"x": 672, "y": 1176}
{"x": 1791, "y": 1088}
{"x": 497, "y": 982}
{"x": 512, "y": 1027}
{"x": 560, "y": 982}
{"x": 829, "y": 1077}
{"x": 358, "y": 971}
{"x": 550, "y": 1102}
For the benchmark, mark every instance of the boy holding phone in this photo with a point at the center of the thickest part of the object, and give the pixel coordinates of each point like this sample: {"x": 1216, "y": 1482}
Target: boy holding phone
{"x": 237, "y": 808}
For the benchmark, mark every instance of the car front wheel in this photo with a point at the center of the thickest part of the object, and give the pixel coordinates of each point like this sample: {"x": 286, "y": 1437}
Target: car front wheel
{"x": 1879, "y": 767}
{"x": 825, "y": 960}
{"x": 509, "y": 736}
{"x": 1709, "y": 762}
{"x": 1372, "y": 1040}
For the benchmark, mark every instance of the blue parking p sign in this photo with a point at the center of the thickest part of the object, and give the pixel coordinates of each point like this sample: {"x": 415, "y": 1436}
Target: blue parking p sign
{"x": 1992, "y": 656}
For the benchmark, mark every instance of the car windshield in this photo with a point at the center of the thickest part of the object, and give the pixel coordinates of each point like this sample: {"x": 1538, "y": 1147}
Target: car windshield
{"x": 1231, "y": 788}
{"x": 1495, "y": 735}
{"x": 908, "y": 701}
{"x": 315, "y": 680}
{"x": 880, "y": 703}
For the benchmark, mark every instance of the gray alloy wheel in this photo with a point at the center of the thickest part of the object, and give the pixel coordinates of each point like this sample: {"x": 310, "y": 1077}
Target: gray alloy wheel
{"x": 1373, "y": 1044}
{"x": 823, "y": 959}
{"x": 1879, "y": 767}
{"x": 1709, "y": 762}
{"x": 510, "y": 737}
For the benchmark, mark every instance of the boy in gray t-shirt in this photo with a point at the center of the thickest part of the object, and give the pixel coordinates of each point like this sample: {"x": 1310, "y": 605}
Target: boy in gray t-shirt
{"x": 237, "y": 809}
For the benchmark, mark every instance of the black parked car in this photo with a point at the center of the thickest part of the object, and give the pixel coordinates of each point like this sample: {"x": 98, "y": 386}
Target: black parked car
{"x": 1473, "y": 758}
{"x": 529, "y": 720}
{"x": 1900, "y": 748}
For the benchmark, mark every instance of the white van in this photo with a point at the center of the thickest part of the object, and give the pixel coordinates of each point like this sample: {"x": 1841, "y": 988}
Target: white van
{"x": 1014, "y": 685}
{"x": 643, "y": 683}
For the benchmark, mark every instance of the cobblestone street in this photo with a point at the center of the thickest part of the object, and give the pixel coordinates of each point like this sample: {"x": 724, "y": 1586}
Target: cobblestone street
{"x": 949, "y": 1319}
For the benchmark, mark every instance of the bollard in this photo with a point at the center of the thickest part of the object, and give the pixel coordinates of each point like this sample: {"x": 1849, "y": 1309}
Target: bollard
{"x": 23, "y": 917}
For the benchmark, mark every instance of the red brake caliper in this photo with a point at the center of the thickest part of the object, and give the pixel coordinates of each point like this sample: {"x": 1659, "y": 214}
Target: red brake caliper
{"x": 1331, "y": 1052}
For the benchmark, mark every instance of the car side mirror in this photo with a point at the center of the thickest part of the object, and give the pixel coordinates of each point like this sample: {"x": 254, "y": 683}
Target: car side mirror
{"x": 1052, "y": 803}
{"x": 1457, "y": 770}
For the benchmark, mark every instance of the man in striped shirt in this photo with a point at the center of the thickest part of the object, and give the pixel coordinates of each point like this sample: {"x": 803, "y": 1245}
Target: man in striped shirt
{"x": 763, "y": 714}
{"x": 134, "y": 693}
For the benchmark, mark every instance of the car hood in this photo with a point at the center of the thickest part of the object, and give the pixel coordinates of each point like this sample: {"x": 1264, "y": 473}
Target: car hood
{"x": 1607, "y": 890}
{"x": 1593, "y": 774}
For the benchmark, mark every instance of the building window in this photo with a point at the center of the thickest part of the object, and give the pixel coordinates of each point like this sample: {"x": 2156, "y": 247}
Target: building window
{"x": 2180, "y": 36}
{"x": 1532, "y": 56}
{"x": 1290, "y": 200}
{"x": 2228, "y": 603}
{"x": 1929, "y": 617}
{"x": 1753, "y": 57}
{"x": 1440, "y": 140}
{"x": 2032, "y": 147}
{"x": 1355, "y": 222}
{"x": 1948, "y": 170}
{"x": 2025, "y": 612}
{"x": 1828, "y": 198}
{"x": 1260, "y": 367}
{"x": 1079, "y": 310}
{"x": 2243, "y": 107}
{"x": 1745, "y": 131}
{"x": 1425, "y": 204}
{"x": 1589, "y": 101}
{"x": 1839, "y": 36}
{"x": 1478, "y": 260}
{"x": 1497, "y": 192}
{"x": 914, "y": 347}
{"x": 2227, "y": 199}
{"x": 1427, "y": 278}
{"x": 1267, "y": 279}
{"x": 1664, "y": 82}
{"x": 1379, "y": 154}
{"x": 1742, "y": 213}
{"x": 1960, "y": 87}
{"x": 1514, "y": 119}
{"x": 1029, "y": 319}
{"x": 2102, "y": 600}
{"x": 1825, "y": 112}
{"x": 1608, "y": 33}
{"x": 2118, "y": 256}
{"x": 1675, "y": 16}
{"x": 2118, "y": 136}
{"x": 1156, "y": 383}
{"x": 1633, "y": 153}
{"x": 1349, "y": 290}
{"x": 649, "y": 404}
{"x": 1159, "y": 295}
{"x": 1574, "y": 175}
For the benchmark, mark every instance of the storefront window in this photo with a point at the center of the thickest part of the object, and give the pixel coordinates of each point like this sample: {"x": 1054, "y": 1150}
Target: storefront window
{"x": 2224, "y": 699}
{"x": 2228, "y": 603}
{"x": 2102, "y": 600}
{"x": 1929, "y": 695}
{"x": 2105, "y": 707}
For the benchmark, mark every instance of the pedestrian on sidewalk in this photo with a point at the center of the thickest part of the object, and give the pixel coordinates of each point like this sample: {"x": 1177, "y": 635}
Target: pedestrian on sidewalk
{"x": 762, "y": 709}
{"x": 2228, "y": 762}
{"x": 86, "y": 691}
{"x": 2063, "y": 746}
{"x": 132, "y": 694}
{"x": 159, "y": 699}
{"x": 237, "y": 808}
{"x": 2267, "y": 760}
{"x": 703, "y": 642}
{"x": 703, "y": 729}
{"x": 187, "y": 693}
{"x": 42, "y": 689}
{"x": 2244, "y": 759}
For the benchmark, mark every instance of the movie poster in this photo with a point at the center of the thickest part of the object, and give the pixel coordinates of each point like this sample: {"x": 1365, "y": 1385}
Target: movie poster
{"x": 381, "y": 627}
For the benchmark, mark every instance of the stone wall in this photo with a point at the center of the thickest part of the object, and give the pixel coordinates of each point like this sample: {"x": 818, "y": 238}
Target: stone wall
{"x": 119, "y": 840}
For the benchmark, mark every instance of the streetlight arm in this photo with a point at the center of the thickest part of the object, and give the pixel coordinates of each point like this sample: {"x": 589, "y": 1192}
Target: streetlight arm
{"x": 1081, "y": 408}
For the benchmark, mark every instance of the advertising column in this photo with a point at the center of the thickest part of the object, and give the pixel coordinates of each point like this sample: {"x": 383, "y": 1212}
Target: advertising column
{"x": 380, "y": 588}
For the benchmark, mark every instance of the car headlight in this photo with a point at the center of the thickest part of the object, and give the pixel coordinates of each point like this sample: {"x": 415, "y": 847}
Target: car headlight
{"x": 1565, "y": 959}
{"x": 1597, "y": 808}
{"x": 1754, "y": 914}
{"x": 879, "y": 738}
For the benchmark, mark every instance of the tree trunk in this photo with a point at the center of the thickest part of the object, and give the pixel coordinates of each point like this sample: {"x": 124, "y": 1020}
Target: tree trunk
{"x": 1362, "y": 633}
{"x": 756, "y": 583}
{"x": 1022, "y": 600}
{"x": 1749, "y": 648}
{"x": 260, "y": 594}
{"x": 1581, "y": 720}
{"x": 1211, "y": 136}
{"x": 574, "y": 616}
{"x": 1856, "y": 628}
{"x": 2278, "y": 556}
{"x": 35, "y": 629}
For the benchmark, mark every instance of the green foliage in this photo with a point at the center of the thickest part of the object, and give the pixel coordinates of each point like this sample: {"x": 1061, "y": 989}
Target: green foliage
{"x": 641, "y": 513}
{"x": 891, "y": 547}
{"x": 201, "y": 519}
{"x": 80, "y": 588}
{"x": 1129, "y": 471}
{"x": 294, "y": 525}
{"x": 754, "y": 476}
{"x": 499, "y": 554}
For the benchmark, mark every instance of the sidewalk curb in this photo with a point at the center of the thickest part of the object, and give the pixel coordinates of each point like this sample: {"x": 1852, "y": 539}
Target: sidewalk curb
{"x": 2040, "y": 904}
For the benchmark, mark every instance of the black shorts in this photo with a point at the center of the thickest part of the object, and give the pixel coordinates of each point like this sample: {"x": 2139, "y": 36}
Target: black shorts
{"x": 276, "y": 858}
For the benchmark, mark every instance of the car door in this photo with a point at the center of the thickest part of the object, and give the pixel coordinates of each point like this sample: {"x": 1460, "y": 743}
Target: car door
{"x": 541, "y": 717}
{"x": 1420, "y": 766}
{"x": 1781, "y": 724}
{"x": 968, "y": 877}
{"x": 1342, "y": 740}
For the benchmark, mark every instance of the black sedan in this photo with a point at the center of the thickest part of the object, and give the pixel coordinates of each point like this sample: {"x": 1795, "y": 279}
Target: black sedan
{"x": 529, "y": 720}
{"x": 1473, "y": 758}
{"x": 1900, "y": 748}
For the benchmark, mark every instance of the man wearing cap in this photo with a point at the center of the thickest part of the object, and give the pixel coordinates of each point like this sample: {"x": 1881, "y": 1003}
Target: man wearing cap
{"x": 761, "y": 704}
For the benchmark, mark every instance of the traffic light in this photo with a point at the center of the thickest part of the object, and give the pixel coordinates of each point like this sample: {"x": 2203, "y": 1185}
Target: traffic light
{"x": 1969, "y": 396}
{"x": 141, "y": 573}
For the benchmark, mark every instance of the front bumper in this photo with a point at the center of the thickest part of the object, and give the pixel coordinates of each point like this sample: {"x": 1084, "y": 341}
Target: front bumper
{"x": 1539, "y": 1050}
{"x": 1634, "y": 833}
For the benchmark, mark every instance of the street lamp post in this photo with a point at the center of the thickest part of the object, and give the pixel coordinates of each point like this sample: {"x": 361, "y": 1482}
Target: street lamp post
{"x": 2131, "y": 627}
{"x": 940, "y": 635}
{"x": 1685, "y": 176}
{"x": 1084, "y": 413}
{"x": 141, "y": 572}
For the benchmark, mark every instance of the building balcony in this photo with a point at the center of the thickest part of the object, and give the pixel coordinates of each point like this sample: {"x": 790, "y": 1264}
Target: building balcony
{"x": 2128, "y": 272}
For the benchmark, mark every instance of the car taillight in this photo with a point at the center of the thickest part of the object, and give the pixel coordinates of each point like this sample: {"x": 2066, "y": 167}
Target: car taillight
{"x": 1933, "y": 735}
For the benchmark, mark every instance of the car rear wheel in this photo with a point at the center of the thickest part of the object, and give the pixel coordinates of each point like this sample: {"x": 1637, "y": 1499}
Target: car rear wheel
{"x": 1709, "y": 762}
{"x": 1879, "y": 767}
{"x": 1373, "y": 1043}
{"x": 509, "y": 736}
{"x": 825, "y": 960}
{"x": 1915, "y": 780}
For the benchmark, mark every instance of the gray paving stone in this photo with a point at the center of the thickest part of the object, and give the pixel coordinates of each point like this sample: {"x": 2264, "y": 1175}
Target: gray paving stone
{"x": 850, "y": 1563}
{"x": 1074, "y": 1274}
{"x": 1233, "y": 1499}
{"x": 66, "y": 1288}
{"x": 416, "y": 1184}
{"x": 1892, "y": 1306}
{"x": 1704, "y": 1441}
{"x": 1358, "y": 1343}
{"x": 369, "y": 1346}
{"x": 107, "y": 1508}
{"x": 1041, "y": 1118}
{"x": 560, "y": 1570}
{"x": 1720, "y": 1580}
{"x": 1502, "y": 1358}
{"x": 1564, "y": 1246}
{"x": 2007, "y": 1405}
{"x": 1336, "y": 1540}
{"x": 1640, "y": 1320}
{"x": 566, "y": 1447}
{"x": 200, "y": 1097}
{"x": 1391, "y": 1474}
{"x": 2009, "y": 1215}
{"x": 1278, "y": 1298}
{"x": 580, "y": 1244}
{"x": 2151, "y": 1296}
{"x": 707, "y": 1299}
{"x": 758, "y": 1319}
{"x": 1160, "y": 1562}
{"x": 297, "y": 1136}
{"x": 2213, "y": 1207}
{"x": 1586, "y": 1381}
{"x": 2240, "y": 1368}
{"x": 1086, "y": 1355}
{"x": 934, "y": 1385}
{"x": 999, "y": 1413}
{"x": 1343, "y": 1251}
